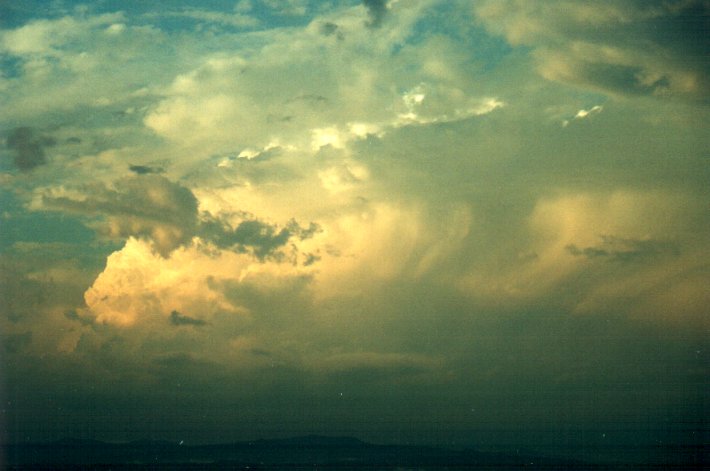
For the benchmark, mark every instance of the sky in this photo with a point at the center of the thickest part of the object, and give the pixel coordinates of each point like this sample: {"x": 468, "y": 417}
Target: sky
{"x": 452, "y": 222}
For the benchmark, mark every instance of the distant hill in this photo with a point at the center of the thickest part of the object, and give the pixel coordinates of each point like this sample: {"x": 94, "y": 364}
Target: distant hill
{"x": 308, "y": 452}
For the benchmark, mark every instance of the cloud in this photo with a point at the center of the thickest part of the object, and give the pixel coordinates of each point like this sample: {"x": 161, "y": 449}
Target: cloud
{"x": 376, "y": 10}
{"x": 624, "y": 250}
{"x": 45, "y": 36}
{"x": 28, "y": 147}
{"x": 253, "y": 236}
{"x": 558, "y": 256}
{"x": 329, "y": 29}
{"x": 207, "y": 17}
{"x": 83, "y": 64}
{"x": 178, "y": 319}
{"x": 617, "y": 47}
{"x": 145, "y": 169}
{"x": 166, "y": 213}
{"x": 582, "y": 114}
{"x": 261, "y": 236}
{"x": 222, "y": 104}
{"x": 75, "y": 316}
{"x": 230, "y": 289}
{"x": 460, "y": 242}
{"x": 131, "y": 289}
{"x": 144, "y": 206}
{"x": 287, "y": 7}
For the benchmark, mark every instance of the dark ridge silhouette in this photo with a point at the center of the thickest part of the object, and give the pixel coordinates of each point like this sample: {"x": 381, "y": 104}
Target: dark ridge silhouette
{"x": 308, "y": 452}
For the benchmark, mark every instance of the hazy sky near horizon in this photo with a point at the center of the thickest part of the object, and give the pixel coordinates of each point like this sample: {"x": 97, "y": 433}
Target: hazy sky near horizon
{"x": 404, "y": 220}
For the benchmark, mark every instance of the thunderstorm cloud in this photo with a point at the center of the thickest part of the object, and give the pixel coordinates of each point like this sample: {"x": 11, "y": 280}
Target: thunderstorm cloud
{"x": 478, "y": 224}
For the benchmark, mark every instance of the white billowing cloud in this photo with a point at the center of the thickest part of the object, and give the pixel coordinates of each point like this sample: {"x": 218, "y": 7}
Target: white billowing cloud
{"x": 293, "y": 89}
{"x": 140, "y": 287}
{"x": 82, "y": 62}
{"x": 47, "y": 37}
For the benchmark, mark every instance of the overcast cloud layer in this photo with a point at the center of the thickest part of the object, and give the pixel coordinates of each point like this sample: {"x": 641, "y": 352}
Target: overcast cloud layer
{"x": 480, "y": 223}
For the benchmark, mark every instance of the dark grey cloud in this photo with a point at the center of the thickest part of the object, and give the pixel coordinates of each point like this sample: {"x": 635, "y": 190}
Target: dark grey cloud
{"x": 617, "y": 78}
{"x": 310, "y": 98}
{"x": 178, "y": 319}
{"x": 376, "y": 10}
{"x": 310, "y": 259}
{"x": 264, "y": 237}
{"x": 624, "y": 250}
{"x": 303, "y": 233}
{"x": 153, "y": 207}
{"x": 684, "y": 27}
{"x": 331, "y": 29}
{"x": 75, "y": 316}
{"x": 141, "y": 206}
{"x": 144, "y": 169}
{"x": 28, "y": 147}
{"x": 328, "y": 28}
{"x": 254, "y": 236}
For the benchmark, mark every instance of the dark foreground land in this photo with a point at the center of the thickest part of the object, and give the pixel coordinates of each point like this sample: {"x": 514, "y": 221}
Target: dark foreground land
{"x": 311, "y": 452}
